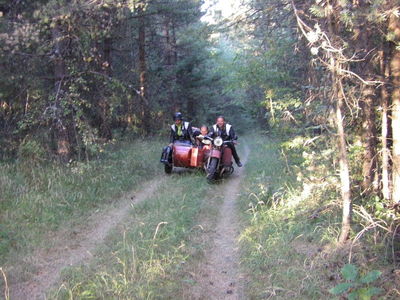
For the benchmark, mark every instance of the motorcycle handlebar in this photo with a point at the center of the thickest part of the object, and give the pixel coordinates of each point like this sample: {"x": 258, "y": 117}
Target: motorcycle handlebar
{"x": 225, "y": 142}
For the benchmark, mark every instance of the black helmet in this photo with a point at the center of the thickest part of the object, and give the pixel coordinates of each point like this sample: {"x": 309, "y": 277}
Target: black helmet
{"x": 178, "y": 116}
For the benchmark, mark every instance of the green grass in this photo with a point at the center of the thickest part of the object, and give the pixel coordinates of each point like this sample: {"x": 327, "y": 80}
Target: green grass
{"x": 279, "y": 244}
{"x": 291, "y": 217}
{"x": 284, "y": 253}
{"x": 37, "y": 199}
{"x": 146, "y": 259}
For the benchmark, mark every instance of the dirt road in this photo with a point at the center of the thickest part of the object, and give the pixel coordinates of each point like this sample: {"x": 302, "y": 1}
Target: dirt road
{"x": 76, "y": 246}
{"x": 218, "y": 277}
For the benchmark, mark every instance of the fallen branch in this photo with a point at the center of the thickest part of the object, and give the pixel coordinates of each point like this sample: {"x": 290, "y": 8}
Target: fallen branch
{"x": 315, "y": 214}
{"x": 6, "y": 289}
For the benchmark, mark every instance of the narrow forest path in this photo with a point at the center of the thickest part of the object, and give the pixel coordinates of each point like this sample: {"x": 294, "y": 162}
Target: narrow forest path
{"x": 76, "y": 246}
{"x": 218, "y": 276}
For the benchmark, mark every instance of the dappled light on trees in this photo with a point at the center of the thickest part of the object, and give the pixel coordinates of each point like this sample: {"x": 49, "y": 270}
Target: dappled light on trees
{"x": 345, "y": 53}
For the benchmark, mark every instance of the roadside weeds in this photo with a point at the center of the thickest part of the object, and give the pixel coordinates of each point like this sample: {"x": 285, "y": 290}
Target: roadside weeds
{"x": 288, "y": 243}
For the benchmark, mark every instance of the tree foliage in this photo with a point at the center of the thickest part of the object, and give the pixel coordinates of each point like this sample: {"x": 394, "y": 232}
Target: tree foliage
{"x": 73, "y": 71}
{"x": 327, "y": 70}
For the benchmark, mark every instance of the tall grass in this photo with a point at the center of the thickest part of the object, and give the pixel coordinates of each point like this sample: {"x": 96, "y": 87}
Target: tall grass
{"x": 145, "y": 257}
{"x": 291, "y": 211}
{"x": 38, "y": 198}
{"x": 279, "y": 242}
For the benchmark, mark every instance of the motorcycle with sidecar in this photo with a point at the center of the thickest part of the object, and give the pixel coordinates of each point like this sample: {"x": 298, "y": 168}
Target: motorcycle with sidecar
{"x": 212, "y": 155}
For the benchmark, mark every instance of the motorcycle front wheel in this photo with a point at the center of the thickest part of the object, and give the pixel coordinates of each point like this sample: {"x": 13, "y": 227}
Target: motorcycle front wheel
{"x": 212, "y": 170}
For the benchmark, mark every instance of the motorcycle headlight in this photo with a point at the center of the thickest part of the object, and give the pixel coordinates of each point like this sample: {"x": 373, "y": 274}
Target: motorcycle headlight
{"x": 218, "y": 141}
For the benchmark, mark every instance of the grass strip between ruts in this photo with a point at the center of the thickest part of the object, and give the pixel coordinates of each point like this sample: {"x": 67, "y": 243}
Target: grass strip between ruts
{"x": 144, "y": 257}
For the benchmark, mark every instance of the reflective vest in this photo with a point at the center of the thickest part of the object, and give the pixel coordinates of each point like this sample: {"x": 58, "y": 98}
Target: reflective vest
{"x": 185, "y": 126}
{"x": 227, "y": 128}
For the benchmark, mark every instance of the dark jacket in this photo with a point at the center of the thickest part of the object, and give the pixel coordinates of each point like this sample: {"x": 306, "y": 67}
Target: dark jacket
{"x": 226, "y": 133}
{"x": 196, "y": 132}
{"x": 186, "y": 133}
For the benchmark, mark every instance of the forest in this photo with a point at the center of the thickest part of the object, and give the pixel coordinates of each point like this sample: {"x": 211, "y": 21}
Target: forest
{"x": 87, "y": 93}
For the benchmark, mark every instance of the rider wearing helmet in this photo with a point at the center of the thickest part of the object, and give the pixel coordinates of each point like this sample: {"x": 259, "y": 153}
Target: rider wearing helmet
{"x": 226, "y": 132}
{"x": 180, "y": 131}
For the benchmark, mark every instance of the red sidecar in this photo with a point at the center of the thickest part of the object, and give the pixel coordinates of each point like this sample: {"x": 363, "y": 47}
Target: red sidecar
{"x": 186, "y": 155}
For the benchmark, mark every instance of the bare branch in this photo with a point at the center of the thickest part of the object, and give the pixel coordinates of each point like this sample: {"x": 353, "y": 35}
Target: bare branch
{"x": 320, "y": 40}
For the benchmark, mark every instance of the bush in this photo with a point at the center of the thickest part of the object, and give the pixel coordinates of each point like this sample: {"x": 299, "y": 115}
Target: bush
{"x": 31, "y": 151}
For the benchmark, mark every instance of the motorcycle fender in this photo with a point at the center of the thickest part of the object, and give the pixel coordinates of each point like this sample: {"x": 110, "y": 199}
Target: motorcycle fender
{"x": 215, "y": 153}
{"x": 227, "y": 157}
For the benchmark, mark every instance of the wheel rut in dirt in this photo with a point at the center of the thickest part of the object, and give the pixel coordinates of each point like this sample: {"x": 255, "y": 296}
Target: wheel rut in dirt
{"x": 219, "y": 277}
{"x": 77, "y": 247}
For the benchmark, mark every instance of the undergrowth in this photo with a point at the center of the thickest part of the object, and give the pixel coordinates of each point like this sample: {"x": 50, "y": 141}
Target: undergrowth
{"x": 291, "y": 215}
{"x": 38, "y": 198}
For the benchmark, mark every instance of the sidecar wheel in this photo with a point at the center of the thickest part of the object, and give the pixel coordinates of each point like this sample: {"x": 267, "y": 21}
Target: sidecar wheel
{"x": 167, "y": 169}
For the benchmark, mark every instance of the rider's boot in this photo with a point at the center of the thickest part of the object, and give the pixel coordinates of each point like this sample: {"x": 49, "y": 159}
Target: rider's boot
{"x": 164, "y": 155}
{"x": 236, "y": 156}
{"x": 168, "y": 155}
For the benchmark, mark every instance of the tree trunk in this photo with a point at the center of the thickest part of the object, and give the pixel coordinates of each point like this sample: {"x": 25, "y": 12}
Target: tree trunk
{"x": 368, "y": 138}
{"x": 167, "y": 49}
{"x": 170, "y": 63}
{"x": 385, "y": 98}
{"x": 174, "y": 62}
{"x": 338, "y": 97}
{"x": 394, "y": 28}
{"x": 365, "y": 68}
{"x": 104, "y": 106}
{"x": 191, "y": 107}
{"x": 63, "y": 143}
{"x": 144, "y": 113}
{"x": 344, "y": 165}
{"x": 130, "y": 111}
{"x": 105, "y": 131}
